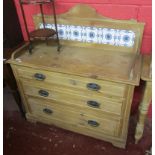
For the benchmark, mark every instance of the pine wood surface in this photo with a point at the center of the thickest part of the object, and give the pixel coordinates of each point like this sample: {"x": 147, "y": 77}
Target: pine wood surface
{"x": 85, "y": 62}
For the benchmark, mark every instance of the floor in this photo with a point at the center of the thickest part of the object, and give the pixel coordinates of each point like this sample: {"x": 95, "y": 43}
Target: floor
{"x": 25, "y": 138}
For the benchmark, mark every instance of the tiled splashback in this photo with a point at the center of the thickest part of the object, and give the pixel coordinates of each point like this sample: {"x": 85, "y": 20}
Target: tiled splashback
{"x": 97, "y": 35}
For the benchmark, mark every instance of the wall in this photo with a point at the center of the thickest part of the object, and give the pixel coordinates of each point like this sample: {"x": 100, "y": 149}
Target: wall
{"x": 117, "y": 9}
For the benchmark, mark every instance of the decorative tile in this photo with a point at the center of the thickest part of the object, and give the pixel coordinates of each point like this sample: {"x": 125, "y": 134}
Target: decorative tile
{"x": 91, "y": 35}
{"x": 108, "y": 36}
{"x": 62, "y": 32}
{"x": 75, "y": 33}
{"x": 97, "y": 35}
{"x": 127, "y": 38}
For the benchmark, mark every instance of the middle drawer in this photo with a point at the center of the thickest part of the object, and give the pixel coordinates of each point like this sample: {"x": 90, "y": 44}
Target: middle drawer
{"x": 98, "y": 103}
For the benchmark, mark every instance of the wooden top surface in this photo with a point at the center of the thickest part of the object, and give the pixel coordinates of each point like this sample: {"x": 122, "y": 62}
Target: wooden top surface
{"x": 146, "y": 68}
{"x": 85, "y": 62}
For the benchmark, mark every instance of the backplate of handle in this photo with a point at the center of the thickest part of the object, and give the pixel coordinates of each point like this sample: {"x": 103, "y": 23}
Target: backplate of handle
{"x": 43, "y": 93}
{"x": 93, "y": 86}
{"x": 47, "y": 111}
{"x": 39, "y": 76}
{"x": 93, "y": 104}
{"x": 93, "y": 123}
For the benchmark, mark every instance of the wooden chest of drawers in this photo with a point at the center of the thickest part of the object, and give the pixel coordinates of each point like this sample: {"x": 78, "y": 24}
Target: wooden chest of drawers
{"x": 90, "y": 105}
{"x": 87, "y": 87}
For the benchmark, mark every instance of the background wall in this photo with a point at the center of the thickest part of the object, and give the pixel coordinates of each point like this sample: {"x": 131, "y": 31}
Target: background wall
{"x": 117, "y": 9}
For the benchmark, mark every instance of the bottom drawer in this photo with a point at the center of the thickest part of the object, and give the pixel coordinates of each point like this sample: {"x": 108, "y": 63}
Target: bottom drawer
{"x": 58, "y": 112}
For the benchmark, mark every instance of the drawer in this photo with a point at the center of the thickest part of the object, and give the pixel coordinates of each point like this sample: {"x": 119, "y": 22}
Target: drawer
{"x": 72, "y": 107}
{"x": 97, "y": 103}
{"x": 51, "y": 112}
{"x": 74, "y": 82}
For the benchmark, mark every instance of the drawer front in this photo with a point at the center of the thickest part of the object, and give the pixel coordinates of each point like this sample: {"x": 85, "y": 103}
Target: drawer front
{"x": 75, "y": 82}
{"x": 100, "y": 104}
{"x": 65, "y": 114}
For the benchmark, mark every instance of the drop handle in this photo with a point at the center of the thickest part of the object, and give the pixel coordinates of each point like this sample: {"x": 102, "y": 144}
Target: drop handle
{"x": 39, "y": 76}
{"x": 93, "y": 104}
{"x": 43, "y": 93}
{"x": 47, "y": 111}
{"x": 93, "y": 123}
{"x": 93, "y": 86}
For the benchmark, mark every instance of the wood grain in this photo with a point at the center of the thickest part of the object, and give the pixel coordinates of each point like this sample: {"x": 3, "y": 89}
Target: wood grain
{"x": 85, "y": 62}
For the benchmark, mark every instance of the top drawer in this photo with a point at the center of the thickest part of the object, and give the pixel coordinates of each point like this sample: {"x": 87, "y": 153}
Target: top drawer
{"x": 75, "y": 82}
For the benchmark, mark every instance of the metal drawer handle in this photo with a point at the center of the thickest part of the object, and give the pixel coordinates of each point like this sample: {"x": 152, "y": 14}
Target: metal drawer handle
{"x": 93, "y": 123}
{"x": 93, "y": 104}
{"x": 93, "y": 86}
{"x": 39, "y": 76}
{"x": 47, "y": 111}
{"x": 43, "y": 93}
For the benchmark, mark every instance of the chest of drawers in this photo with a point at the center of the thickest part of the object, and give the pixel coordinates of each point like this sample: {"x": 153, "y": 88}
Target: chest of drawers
{"x": 90, "y": 103}
{"x": 87, "y": 87}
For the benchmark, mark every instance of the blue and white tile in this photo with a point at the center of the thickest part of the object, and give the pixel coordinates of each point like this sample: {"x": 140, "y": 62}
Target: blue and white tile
{"x": 41, "y": 26}
{"x": 75, "y": 33}
{"x": 127, "y": 38}
{"x": 62, "y": 33}
{"x": 108, "y": 36}
{"x": 117, "y": 37}
{"x": 91, "y": 34}
{"x": 50, "y": 26}
{"x": 84, "y": 34}
{"x": 97, "y": 35}
{"x": 100, "y": 35}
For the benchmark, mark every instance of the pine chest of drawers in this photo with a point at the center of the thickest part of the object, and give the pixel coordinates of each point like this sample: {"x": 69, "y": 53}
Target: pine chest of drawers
{"x": 83, "y": 88}
{"x": 87, "y": 104}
